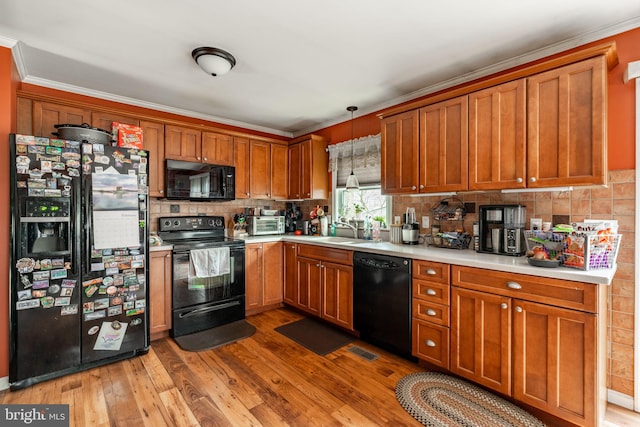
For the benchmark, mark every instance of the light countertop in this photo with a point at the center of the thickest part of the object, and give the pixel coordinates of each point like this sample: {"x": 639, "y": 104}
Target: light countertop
{"x": 466, "y": 257}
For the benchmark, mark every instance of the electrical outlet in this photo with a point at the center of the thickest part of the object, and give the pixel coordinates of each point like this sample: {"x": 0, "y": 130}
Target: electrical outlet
{"x": 470, "y": 207}
{"x": 425, "y": 222}
{"x": 174, "y": 208}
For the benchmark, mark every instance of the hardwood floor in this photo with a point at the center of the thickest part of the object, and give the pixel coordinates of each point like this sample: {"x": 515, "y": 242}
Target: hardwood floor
{"x": 265, "y": 380}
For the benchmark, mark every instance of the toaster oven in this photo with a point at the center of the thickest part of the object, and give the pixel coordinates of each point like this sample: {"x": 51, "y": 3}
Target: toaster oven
{"x": 263, "y": 225}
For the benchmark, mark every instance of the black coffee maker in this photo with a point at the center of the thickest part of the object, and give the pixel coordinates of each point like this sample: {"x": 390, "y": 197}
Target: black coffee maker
{"x": 501, "y": 229}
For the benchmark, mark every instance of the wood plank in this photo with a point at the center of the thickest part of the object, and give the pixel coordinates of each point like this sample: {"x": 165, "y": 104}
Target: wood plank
{"x": 179, "y": 410}
{"x": 146, "y": 396}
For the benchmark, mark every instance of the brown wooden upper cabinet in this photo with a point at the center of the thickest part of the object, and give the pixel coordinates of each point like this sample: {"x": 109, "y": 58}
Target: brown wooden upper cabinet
{"x": 497, "y": 137}
{"x": 153, "y": 139}
{"x": 308, "y": 164}
{"x": 566, "y": 140}
{"x": 425, "y": 150}
{"x": 105, "y": 121}
{"x": 399, "y": 153}
{"x": 46, "y": 114}
{"x": 444, "y": 146}
{"x": 217, "y": 148}
{"x": 261, "y": 169}
{"x": 182, "y": 143}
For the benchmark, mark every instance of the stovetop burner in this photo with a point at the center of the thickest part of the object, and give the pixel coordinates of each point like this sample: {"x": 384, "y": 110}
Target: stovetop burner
{"x": 195, "y": 232}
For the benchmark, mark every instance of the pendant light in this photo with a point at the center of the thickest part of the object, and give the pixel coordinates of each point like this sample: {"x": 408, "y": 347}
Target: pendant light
{"x": 352, "y": 180}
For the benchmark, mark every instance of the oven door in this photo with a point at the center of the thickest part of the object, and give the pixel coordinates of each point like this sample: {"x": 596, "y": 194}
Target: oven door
{"x": 201, "y": 303}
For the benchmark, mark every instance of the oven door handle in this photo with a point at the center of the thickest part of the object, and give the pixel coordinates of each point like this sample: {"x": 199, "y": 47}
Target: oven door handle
{"x": 203, "y": 310}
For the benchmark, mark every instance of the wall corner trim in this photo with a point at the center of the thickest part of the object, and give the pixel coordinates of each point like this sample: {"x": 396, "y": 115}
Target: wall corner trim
{"x": 620, "y": 399}
{"x": 632, "y": 71}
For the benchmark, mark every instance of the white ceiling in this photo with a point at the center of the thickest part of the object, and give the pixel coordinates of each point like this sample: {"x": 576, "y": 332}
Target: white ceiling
{"x": 300, "y": 63}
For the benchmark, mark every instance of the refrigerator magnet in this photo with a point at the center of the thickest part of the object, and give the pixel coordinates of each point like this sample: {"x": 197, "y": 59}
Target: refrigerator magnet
{"x": 54, "y": 289}
{"x": 47, "y": 302}
{"x": 59, "y": 273}
{"x": 137, "y": 321}
{"x": 93, "y": 330}
{"x": 21, "y": 149}
{"x": 40, "y": 275}
{"x": 45, "y": 264}
{"x": 25, "y": 265}
{"x": 57, "y": 143}
{"x": 60, "y": 302}
{"x": 95, "y": 315}
{"x": 90, "y": 290}
{"x": 69, "y": 310}
{"x": 87, "y": 307}
{"x": 24, "y": 295}
{"x": 116, "y": 310}
{"x": 73, "y": 163}
{"x": 41, "y": 140}
{"x": 25, "y": 139}
{"x": 116, "y": 301}
{"x": 101, "y": 303}
{"x": 41, "y": 293}
{"x": 66, "y": 292}
{"x": 68, "y": 283}
{"x": 26, "y": 283}
{"x": 40, "y": 284}
{"x": 57, "y": 263}
{"x": 30, "y": 303}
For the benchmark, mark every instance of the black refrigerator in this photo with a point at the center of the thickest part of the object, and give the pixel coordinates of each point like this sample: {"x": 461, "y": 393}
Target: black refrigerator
{"x": 78, "y": 271}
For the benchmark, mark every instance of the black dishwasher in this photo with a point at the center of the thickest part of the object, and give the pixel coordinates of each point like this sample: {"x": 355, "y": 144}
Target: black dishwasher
{"x": 382, "y": 301}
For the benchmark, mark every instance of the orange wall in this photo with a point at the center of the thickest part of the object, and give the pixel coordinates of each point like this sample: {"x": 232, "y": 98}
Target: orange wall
{"x": 620, "y": 119}
{"x": 8, "y": 86}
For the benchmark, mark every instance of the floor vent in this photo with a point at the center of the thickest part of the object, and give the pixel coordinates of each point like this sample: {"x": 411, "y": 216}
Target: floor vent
{"x": 363, "y": 353}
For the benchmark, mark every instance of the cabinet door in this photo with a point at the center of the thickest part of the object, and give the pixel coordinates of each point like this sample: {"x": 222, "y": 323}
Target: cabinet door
{"x": 260, "y": 167}
{"x": 241, "y": 163}
{"x": 481, "y": 338}
{"x": 566, "y": 115}
{"x": 46, "y": 114}
{"x": 273, "y": 273}
{"x": 254, "y": 273}
{"x": 444, "y": 146}
{"x": 498, "y": 137}
{"x": 555, "y": 363}
{"x": 295, "y": 172}
{"x": 160, "y": 291}
{"x": 182, "y": 144}
{"x": 279, "y": 167}
{"x": 309, "y": 285}
{"x": 153, "y": 138}
{"x": 217, "y": 148}
{"x": 399, "y": 161}
{"x": 337, "y": 294}
{"x": 290, "y": 274}
{"x": 105, "y": 120}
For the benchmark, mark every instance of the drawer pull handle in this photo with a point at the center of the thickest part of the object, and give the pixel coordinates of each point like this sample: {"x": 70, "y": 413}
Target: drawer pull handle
{"x": 431, "y": 292}
{"x": 514, "y": 285}
{"x": 504, "y": 306}
{"x": 431, "y": 312}
{"x": 431, "y": 272}
{"x": 430, "y": 343}
{"x": 519, "y": 309}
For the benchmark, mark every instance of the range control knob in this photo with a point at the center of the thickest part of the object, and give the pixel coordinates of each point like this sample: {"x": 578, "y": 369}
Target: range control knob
{"x": 219, "y": 222}
{"x": 176, "y": 222}
{"x": 167, "y": 223}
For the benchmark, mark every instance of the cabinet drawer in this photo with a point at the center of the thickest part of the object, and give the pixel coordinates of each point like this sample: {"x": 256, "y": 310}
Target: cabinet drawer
{"x": 562, "y": 293}
{"x": 323, "y": 253}
{"x": 431, "y": 343}
{"x": 431, "y": 271}
{"x": 431, "y": 312}
{"x": 428, "y": 291}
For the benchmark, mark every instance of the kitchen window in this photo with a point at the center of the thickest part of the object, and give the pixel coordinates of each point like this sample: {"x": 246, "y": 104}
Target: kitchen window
{"x": 361, "y": 155}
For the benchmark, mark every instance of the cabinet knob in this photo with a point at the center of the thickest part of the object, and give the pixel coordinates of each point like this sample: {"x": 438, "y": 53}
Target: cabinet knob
{"x": 431, "y": 272}
{"x": 268, "y": 195}
{"x": 431, "y": 312}
{"x": 248, "y": 194}
{"x": 430, "y": 343}
{"x": 421, "y": 186}
{"x": 431, "y": 292}
{"x": 318, "y": 265}
{"x": 519, "y": 309}
{"x": 514, "y": 285}
{"x": 197, "y": 157}
{"x": 519, "y": 180}
{"x": 532, "y": 179}
{"x": 413, "y": 187}
{"x": 205, "y": 159}
{"x": 504, "y": 306}
{"x": 167, "y": 256}
{"x": 161, "y": 191}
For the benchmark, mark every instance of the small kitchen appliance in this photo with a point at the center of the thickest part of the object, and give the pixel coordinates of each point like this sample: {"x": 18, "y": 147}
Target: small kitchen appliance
{"x": 501, "y": 229}
{"x": 265, "y": 225}
{"x": 410, "y": 229}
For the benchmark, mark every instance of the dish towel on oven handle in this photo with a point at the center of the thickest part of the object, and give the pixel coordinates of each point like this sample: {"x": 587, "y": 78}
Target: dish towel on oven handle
{"x": 210, "y": 262}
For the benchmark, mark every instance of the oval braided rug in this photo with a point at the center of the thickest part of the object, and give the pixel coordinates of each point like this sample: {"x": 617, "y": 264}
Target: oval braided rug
{"x": 437, "y": 399}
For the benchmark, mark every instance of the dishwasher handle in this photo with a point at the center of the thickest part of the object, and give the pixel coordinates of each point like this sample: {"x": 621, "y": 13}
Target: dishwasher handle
{"x": 383, "y": 263}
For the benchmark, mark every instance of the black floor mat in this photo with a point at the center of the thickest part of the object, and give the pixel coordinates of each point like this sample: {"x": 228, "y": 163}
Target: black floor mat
{"x": 216, "y": 337}
{"x": 315, "y": 335}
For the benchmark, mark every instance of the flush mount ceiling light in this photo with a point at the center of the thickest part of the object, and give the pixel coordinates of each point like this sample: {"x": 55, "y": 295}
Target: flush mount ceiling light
{"x": 352, "y": 180}
{"x": 213, "y": 61}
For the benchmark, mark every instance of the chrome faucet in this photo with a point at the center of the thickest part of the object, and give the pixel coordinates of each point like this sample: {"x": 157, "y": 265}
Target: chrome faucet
{"x": 355, "y": 229}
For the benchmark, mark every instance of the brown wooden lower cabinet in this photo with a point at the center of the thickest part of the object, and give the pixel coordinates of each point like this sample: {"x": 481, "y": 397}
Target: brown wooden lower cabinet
{"x": 160, "y": 269}
{"x": 431, "y": 342}
{"x": 546, "y": 356}
{"x": 263, "y": 276}
{"x": 322, "y": 282}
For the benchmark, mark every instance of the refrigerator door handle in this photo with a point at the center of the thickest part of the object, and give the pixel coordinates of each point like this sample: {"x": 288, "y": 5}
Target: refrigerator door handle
{"x": 203, "y": 310}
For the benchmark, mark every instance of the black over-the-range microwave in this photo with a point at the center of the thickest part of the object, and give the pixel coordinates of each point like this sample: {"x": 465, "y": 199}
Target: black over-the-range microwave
{"x": 199, "y": 181}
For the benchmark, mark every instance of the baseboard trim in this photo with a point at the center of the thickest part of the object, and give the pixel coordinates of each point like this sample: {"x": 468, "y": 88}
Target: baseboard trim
{"x": 620, "y": 399}
{"x": 4, "y": 383}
